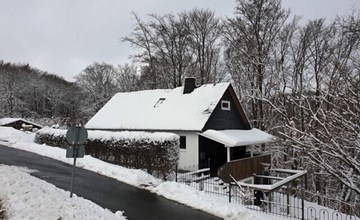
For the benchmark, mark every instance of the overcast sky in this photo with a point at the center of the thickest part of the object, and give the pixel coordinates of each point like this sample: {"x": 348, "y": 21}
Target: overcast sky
{"x": 64, "y": 36}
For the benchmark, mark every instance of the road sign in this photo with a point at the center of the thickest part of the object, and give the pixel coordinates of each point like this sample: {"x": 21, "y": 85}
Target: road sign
{"x": 76, "y": 135}
{"x": 74, "y": 151}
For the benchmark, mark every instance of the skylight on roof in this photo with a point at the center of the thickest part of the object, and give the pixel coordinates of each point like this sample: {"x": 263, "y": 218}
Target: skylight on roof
{"x": 159, "y": 102}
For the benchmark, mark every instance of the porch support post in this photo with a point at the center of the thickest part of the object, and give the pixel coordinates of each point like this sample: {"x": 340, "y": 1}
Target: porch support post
{"x": 228, "y": 153}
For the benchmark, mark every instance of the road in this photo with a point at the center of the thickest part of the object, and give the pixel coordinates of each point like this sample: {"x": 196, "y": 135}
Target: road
{"x": 104, "y": 191}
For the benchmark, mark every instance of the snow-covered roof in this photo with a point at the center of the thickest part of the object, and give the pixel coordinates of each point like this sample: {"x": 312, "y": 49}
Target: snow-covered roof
{"x": 233, "y": 138}
{"x": 159, "y": 109}
{"x": 5, "y": 121}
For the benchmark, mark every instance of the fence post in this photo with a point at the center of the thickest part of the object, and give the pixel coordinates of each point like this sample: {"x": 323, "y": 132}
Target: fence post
{"x": 176, "y": 171}
{"x": 302, "y": 199}
{"x": 288, "y": 199}
{"x": 230, "y": 192}
{"x": 270, "y": 200}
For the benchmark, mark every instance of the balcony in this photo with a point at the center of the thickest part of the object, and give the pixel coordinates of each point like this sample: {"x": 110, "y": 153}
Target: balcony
{"x": 243, "y": 168}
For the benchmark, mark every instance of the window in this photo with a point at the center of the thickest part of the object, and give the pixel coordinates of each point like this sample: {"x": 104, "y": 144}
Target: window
{"x": 225, "y": 105}
{"x": 159, "y": 102}
{"x": 182, "y": 142}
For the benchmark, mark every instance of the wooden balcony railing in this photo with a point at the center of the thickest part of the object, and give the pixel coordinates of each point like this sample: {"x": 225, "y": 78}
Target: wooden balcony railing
{"x": 243, "y": 168}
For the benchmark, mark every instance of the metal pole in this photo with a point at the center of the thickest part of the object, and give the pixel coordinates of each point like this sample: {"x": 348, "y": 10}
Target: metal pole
{"x": 76, "y": 150}
{"x": 72, "y": 176}
{"x": 176, "y": 171}
{"x": 227, "y": 153}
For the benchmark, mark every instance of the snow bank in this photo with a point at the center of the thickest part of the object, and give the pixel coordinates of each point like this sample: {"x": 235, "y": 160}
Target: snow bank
{"x": 26, "y": 197}
{"x": 212, "y": 204}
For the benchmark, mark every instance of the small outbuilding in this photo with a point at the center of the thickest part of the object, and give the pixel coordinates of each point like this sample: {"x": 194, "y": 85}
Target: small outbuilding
{"x": 19, "y": 124}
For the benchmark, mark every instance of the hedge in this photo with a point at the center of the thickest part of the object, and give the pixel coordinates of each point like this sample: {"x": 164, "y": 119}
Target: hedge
{"x": 153, "y": 152}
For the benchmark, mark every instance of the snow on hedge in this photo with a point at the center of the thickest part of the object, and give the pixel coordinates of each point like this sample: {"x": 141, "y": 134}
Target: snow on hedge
{"x": 154, "y": 152}
{"x": 113, "y": 136}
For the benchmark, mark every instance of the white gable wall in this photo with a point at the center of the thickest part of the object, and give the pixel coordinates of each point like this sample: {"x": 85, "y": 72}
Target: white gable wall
{"x": 189, "y": 157}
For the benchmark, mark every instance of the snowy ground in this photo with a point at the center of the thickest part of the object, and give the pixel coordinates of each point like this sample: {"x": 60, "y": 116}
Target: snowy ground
{"x": 212, "y": 204}
{"x": 26, "y": 197}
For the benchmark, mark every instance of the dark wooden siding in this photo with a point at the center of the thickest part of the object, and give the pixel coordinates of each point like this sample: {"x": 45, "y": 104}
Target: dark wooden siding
{"x": 224, "y": 119}
{"x": 243, "y": 168}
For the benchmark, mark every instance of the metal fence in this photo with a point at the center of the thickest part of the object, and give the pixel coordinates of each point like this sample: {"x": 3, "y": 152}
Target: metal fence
{"x": 285, "y": 201}
{"x": 351, "y": 209}
{"x": 279, "y": 203}
{"x": 201, "y": 180}
{"x": 326, "y": 214}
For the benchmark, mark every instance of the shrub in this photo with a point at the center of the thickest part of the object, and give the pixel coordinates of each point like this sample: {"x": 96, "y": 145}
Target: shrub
{"x": 51, "y": 137}
{"x": 153, "y": 152}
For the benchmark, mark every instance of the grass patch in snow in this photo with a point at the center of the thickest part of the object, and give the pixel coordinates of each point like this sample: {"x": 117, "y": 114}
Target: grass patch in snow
{"x": 2, "y": 211}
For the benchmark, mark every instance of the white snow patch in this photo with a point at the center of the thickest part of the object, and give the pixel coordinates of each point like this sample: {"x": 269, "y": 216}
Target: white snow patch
{"x": 26, "y": 197}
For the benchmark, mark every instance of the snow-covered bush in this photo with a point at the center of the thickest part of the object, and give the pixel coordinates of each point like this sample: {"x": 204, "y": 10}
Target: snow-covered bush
{"x": 155, "y": 152}
{"x": 51, "y": 137}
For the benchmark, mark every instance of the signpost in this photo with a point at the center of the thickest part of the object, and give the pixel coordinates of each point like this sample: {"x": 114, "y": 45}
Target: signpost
{"x": 76, "y": 136}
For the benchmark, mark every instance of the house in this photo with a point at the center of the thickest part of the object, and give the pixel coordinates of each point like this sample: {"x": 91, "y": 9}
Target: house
{"x": 210, "y": 121}
{"x": 19, "y": 124}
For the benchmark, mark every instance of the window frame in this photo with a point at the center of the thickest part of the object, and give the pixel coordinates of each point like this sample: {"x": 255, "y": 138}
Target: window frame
{"x": 226, "y": 108}
{"x": 159, "y": 102}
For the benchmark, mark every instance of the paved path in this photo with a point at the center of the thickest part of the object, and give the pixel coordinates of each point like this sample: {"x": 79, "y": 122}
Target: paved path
{"x": 106, "y": 192}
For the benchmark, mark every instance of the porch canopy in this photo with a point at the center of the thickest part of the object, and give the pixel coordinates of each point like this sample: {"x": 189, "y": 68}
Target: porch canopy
{"x": 232, "y": 138}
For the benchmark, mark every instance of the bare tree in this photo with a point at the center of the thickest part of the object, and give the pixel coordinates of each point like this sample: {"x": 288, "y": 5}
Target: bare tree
{"x": 31, "y": 93}
{"x": 322, "y": 104}
{"x": 127, "y": 79}
{"x": 174, "y": 46}
{"x": 163, "y": 43}
{"x": 205, "y": 45}
{"x": 250, "y": 38}
{"x": 98, "y": 82}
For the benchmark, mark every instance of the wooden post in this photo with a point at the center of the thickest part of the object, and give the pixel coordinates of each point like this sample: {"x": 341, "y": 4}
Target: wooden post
{"x": 270, "y": 198}
{"x": 288, "y": 199}
{"x": 302, "y": 198}
{"x": 230, "y": 192}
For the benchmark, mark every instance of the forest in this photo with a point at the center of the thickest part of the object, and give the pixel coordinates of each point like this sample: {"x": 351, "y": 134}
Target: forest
{"x": 298, "y": 80}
